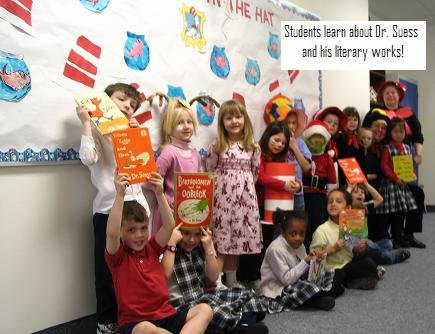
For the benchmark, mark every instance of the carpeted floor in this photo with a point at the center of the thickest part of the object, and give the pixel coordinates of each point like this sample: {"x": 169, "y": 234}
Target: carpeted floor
{"x": 403, "y": 302}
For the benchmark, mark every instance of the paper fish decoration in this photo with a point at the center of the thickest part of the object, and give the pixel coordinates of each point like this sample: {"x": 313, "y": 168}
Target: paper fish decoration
{"x": 136, "y": 52}
{"x": 274, "y": 46}
{"x": 219, "y": 63}
{"x": 252, "y": 72}
{"x": 15, "y": 81}
{"x": 96, "y": 6}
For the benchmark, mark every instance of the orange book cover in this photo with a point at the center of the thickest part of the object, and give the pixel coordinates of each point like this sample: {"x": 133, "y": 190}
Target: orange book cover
{"x": 194, "y": 195}
{"x": 134, "y": 153}
{"x": 352, "y": 170}
{"x": 105, "y": 115}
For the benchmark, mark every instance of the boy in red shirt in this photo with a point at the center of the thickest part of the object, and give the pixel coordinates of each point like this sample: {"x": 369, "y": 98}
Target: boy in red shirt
{"x": 140, "y": 285}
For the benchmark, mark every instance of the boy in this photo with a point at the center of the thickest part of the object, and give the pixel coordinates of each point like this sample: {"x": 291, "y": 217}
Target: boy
{"x": 140, "y": 285}
{"x": 96, "y": 152}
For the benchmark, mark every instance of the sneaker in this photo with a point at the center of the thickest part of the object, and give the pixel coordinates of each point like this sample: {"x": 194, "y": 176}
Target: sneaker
{"x": 107, "y": 328}
{"x": 363, "y": 283}
{"x": 381, "y": 272}
{"x": 322, "y": 303}
{"x": 402, "y": 255}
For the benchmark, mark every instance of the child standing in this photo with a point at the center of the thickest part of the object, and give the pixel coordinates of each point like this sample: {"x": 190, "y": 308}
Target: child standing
{"x": 286, "y": 263}
{"x": 398, "y": 199}
{"x": 96, "y": 152}
{"x": 235, "y": 159}
{"x": 140, "y": 284}
{"x": 359, "y": 272}
{"x": 178, "y": 126}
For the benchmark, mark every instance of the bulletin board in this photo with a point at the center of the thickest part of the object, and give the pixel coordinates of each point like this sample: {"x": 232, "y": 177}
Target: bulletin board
{"x": 52, "y": 51}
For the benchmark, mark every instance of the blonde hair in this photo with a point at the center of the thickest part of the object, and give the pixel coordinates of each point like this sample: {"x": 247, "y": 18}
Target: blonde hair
{"x": 172, "y": 115}
{"x": 233, "y": 107}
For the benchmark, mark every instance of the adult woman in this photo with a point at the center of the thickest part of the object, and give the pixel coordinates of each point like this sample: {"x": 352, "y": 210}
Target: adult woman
{"x": 390, "y": 94}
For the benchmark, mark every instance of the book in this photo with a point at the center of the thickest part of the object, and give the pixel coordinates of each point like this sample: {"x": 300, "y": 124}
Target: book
{"x": 134, "y": 153}
{"x": 352, "y": 170}
{"x": 404, "y": 167}
{"x": 351, "y": 226}
{"x": 105, "y": 115}
{"x": 316, "y": 272}
{"x": 194, "y": 195}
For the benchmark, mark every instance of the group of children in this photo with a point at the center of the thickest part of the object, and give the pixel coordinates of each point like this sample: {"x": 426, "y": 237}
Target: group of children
{"x": 169, "y": 279}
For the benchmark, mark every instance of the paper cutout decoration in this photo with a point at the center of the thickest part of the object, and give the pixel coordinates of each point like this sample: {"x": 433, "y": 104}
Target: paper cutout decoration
{"x": 15, "y": 81}
{"x": 293, "y": 74}
{"x": 252, "y": 72}
{"x": 404, "y": 167}
{"x": 194, "y": 193}
{"x": 96, "y": 6}
{"x": 277, "y": 108}
{"x": 298, "y": 104}
{"x": 205, "y": 114}
{"x": 134, "y": 153}
{"x": 84, "y": 60}
{"x": 219, "y": 63}
{"x": 136, "y": 52}
{"x": 274, "y": 46}
{"x": 18, "y": 13}
{"x": 352, "y": 171}
{"x": 278, "y": 198}
{"x": 29, "y": 155}
{"x": 352, "y": 226}
{"x": 193, "y": 28}
{"x": 176, "y": 91}
{"x": 104, "y": 113}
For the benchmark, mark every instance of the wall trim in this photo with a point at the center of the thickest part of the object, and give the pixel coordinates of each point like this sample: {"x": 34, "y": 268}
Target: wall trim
{"x": 87, "y": 324}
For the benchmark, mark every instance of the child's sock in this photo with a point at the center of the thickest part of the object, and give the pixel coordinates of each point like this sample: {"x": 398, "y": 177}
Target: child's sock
{"x": 230, "y": 278}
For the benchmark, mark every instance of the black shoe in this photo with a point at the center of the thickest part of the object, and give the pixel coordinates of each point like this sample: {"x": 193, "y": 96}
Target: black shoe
{"x": 260, "y": 316}
{"x": 402, "y": 255}
{"x": 413, "y": 242}
{"x": 363, "y": 283}
{"x": 322, "y": 303}
{"x": 251, "y": 329}
{"x": 401, "y": 243}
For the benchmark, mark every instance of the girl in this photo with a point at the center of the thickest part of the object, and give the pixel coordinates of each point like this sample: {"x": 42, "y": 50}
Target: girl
{"x": 191, "y": 267}
{"x": 178, "y": 126}
{"x": 274, "y": 148}
{"x": 235, "y": 159}
{"x": 360, "y": 272}
{"x": 286, "y": 264}
{"x": 398, "y": 199}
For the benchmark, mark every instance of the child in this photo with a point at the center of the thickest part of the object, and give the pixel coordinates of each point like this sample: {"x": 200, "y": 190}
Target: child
{"x": 383, "y": 247}
{"x": 286, "y": 264}
{"x": 178, "y": 126}
{"x": 320, "y": 179}
{"x": 140, "y": 284}
{"x": 96, "y": 152}
{"x": 274, "y": 148}
{"x": 360, "y": 272}
{"x": 235, "y": 159}
{"x": 398, "y": 199}
{"x": 191, "y": 267}
{"x": 367, "y": 160}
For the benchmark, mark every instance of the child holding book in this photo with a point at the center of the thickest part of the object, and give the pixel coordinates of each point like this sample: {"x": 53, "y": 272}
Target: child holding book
{"x": 96, "y": 152}
{"x": 140, "y": 284}
{"x": 360, "y": 272}
{"x": 286, "y": 263}
{"x": 398, "y": 198}
{"x": 191, "y": 267}
{"x": 235, "y": 158}
{"x": 178, "y": 126}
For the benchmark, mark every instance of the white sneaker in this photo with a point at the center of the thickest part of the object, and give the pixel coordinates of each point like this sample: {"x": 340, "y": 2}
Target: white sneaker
{"x": 107, "y": 328}
{"x": 381, "y": 272}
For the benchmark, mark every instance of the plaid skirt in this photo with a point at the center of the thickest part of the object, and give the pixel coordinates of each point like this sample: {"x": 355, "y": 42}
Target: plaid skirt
{"x": 396, "y": 198}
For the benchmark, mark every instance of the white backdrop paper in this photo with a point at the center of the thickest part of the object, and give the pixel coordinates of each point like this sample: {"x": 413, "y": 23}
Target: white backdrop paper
{"x": 43, "y": 126}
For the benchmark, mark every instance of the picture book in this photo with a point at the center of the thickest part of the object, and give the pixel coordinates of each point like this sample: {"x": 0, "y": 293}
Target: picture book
{"x": 351, "y": 226}
{"x": 352, "y": 171}
{"x": 134, "y": 153}
{"x": 104, "y": 113}
{"x": 316, "y": 272}
{"x": 194, "y": 194}
{"x": 404, "y": 167}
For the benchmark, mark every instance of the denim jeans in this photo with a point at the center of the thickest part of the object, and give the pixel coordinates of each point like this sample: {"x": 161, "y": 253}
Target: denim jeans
{"x": 299, "y": 202}
{"x": 382, "y": 250}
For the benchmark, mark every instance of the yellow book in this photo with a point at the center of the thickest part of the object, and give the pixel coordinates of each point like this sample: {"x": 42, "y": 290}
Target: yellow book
{"x": 404, "y": 167}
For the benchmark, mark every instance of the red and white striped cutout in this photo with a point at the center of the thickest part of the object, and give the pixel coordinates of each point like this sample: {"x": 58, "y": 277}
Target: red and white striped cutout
{"x": 18, "y": 13}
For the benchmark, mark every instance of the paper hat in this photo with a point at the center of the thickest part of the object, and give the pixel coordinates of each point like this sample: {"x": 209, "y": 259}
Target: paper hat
{"x": 317, "y": 127}
{"x": 277, "y": 108}
{"x": 400, "y": 87}
{"x": 321, "y": 114}
{"x": 374, "y": 115}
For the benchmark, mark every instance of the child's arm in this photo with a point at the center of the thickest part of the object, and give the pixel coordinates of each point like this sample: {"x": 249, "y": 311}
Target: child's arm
{"x": 164, "y": 233}
{"x": 212, "y": 268}
{"x": 85, "y": 119}
{"x": 376, "y": 196}
{"x": 88, "y": 147}
{"x": 168, "y": 258}
{"x": 113, "y": 230}
{"x": 255, "y": 161}
{"x": 302, "y": 161}
{"x": 266, "y": 180}
{"x": 387, "y": 166}
{"x": 212, "y": 159}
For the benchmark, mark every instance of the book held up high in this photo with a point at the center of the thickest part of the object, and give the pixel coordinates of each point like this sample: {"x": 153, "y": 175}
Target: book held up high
{"x": 134, "y": 153}
{"x": 105, "y": 115}
{"x": 351, "y": 226}
{"x": 352, "y": 170}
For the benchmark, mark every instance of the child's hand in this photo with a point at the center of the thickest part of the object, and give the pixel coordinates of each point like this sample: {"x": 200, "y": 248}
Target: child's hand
{"x": 339, "y": 245}
{"x": 400, "y": 183}
{"x": 121, "y": 182}
{"x": 319, "y": 254}
{"x": 156, "y": 181}
{"x": 292, "y": 144}
{"x": 206, "y": 239}
{"x": 83, "y": 114}
{"x": 176, "y": 236}
{"x": 418, "y": 159}
{"x": 291, "y": 186}
{"x": 134, "y": 123}
{"x": 360, "y": 247}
